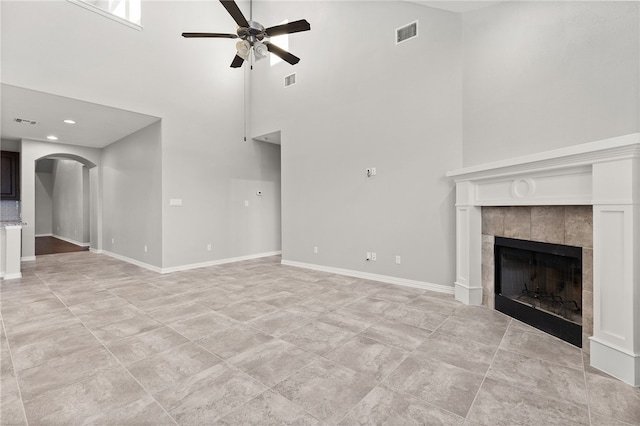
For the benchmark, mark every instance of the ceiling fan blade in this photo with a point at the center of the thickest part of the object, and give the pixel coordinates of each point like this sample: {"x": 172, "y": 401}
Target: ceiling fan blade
{"x": 210, "y": 35}
{"x": 235, "y": 12}
{"x": 291, "y": 27}
{"x": 237, "y": 62}
{"x": 286, "y": 56}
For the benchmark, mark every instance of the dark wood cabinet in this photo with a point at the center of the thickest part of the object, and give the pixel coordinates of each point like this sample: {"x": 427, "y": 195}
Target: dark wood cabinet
{"x": 9, "y": 175}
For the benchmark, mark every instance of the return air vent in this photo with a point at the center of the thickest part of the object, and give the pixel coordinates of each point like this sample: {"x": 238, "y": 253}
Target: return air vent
{"x": 290, "y": 80}
{"x": 407, "y": 32}
{"x": 23, "y": 121}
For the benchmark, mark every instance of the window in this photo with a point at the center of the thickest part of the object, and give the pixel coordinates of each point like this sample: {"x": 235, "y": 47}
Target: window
{"x": 127, "y": 12}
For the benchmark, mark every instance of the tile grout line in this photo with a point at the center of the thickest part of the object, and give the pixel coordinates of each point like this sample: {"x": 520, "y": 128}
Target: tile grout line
{"x": 15, "y": 372}
{"x": 195, "y": 342}
{"x": 410, "y": 353}
{"x": 233, "y": 367}
{"x": 488, "y": 370}
{"x": 586, "y": 388}
{"x": 111, "y": 353}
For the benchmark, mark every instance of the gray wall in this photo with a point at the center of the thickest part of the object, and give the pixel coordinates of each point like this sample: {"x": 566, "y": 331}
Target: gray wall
{"x": 537, "y": 75}
{"x": 361, "y": 101}
{"x": 131, "y": 195}
{"x": 188, "y": 83}
{"x": 544, "y": 75}
{"x": 44, "y": 203}
{"x": 68, "y": 201}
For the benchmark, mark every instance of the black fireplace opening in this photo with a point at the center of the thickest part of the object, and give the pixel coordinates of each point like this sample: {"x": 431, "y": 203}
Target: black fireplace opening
{"x": 540, "y": 284}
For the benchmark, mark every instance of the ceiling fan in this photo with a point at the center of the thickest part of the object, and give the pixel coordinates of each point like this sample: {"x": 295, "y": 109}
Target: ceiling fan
{"x": 253, "y": 35}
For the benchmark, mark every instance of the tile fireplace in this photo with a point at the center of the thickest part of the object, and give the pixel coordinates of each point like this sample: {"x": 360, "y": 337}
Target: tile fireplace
{"x": 595, "y": 187}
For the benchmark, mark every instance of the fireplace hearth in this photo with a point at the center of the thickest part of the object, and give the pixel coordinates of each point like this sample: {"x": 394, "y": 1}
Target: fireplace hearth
{"x": 601, "y": 175}
{"x": 540, "y": 284}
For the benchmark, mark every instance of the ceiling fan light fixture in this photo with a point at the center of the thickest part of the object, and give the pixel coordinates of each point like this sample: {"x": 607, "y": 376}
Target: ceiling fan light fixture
{"x": 243, "y": 47}
{"x": 251, "y": 35}
{"x": 260, "y": 50}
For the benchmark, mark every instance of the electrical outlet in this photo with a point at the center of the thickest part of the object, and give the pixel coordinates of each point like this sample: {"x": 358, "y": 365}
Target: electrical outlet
{"x": 246, "y": 203}
{"x": 315, "y": 249}
{"x": 398, "y": 260}
{"x": 373, "y": 256}
{"x": 113, "y": 241}
{"x": 208, "y": 247}
{"x": 373, "y": 171}
{"x": 146, "y": 249}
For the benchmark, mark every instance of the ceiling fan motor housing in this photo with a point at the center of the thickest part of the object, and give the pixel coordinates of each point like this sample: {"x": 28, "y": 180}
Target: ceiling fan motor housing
{"x": 254, "y": 32}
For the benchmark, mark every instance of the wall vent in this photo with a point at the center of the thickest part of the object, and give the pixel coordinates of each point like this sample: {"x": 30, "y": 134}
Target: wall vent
{"x": 290, "y": 80}
{"x": 407, "y": 32}
{"x": 24, "y": 121}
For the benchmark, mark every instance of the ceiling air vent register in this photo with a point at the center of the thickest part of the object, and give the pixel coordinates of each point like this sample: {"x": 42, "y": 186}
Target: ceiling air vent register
{"x": 290, "y": 80}
{"x": 407, "y": 32}
{"x": 24, "y": 121}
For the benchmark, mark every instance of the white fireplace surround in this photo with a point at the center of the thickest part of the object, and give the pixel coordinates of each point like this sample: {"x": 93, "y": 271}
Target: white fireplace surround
{"x": 604, "y": 174}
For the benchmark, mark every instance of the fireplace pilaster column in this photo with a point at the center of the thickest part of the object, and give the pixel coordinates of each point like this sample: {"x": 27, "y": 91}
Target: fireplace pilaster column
{"x": 468, "y": 285}
{"x": 615, "y": 345}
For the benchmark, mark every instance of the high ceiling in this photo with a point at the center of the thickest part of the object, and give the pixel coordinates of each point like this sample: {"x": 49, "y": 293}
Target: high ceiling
{"x": 99, "y": 125}
{"x": 456, "y": 6}
{"x": 96, "y": 125}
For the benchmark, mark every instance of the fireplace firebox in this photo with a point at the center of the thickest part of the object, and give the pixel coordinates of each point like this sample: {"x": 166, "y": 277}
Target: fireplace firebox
{"x": 540, "y": 284}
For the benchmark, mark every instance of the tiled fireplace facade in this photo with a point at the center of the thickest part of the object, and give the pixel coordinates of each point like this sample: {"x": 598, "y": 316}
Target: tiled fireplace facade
{"x": 567, "y": 225}
{"x": 585, "y": 195}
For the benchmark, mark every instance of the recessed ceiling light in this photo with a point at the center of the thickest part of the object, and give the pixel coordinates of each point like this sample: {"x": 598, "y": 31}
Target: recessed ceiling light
{"x": 52, "y": 138}
{"x": 69, "y": 121}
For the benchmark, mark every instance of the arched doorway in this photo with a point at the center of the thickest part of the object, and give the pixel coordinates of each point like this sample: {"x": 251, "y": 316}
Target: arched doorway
{"x": 62, "y": 206}
{"x": 87, "y": 159}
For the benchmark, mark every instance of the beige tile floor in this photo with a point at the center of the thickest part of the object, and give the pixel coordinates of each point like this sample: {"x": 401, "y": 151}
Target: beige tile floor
{"x": 87, "y": 339}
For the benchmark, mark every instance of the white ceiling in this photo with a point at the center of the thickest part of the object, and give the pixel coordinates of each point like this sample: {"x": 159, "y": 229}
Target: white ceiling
{"x": 96, "y": 125}
{"x": 456, "y": 6}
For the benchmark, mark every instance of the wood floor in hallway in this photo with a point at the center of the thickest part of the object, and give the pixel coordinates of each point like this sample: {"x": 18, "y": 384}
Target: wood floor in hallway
{"x": 53, "y": 245}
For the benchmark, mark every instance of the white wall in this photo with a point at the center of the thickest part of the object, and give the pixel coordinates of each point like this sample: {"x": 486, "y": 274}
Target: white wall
{"x": 44, "y": 204}
{"x": 68, "y": 201}
{"x": 361, "y": 101}
{"x": 131, "y": 194}
{"x": 543, "y": 75}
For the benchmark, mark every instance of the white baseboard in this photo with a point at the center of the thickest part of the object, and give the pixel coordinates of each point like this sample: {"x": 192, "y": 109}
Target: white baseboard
{"x": 374, "y": 277}
{"x": 615, "y": 361}
{"x": 468, "y": 295}
{"x": 69, "y": 240}
{"x": 11, "y": 276}
{"x": 27, "y": 258}
{"x": 130, "y": 260}
{"x": 185, "y": 267}
{"x": 220, "y": 262}
{"x": 95, "y": 251}
{"x": 44, "y": 235}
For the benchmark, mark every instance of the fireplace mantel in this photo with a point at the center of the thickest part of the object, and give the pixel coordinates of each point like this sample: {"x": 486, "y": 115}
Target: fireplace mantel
{"x": 604, "y": 174}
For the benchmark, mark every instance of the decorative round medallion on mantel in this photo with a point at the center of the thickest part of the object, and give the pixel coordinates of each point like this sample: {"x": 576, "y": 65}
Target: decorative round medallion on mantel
{"x": 523, "y": 188}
